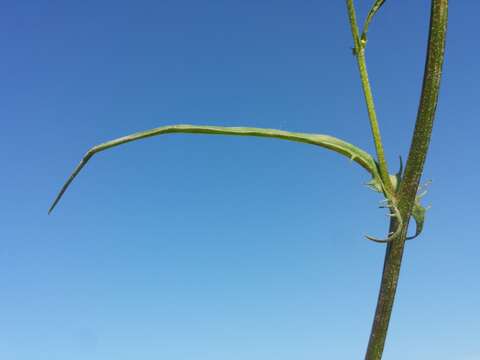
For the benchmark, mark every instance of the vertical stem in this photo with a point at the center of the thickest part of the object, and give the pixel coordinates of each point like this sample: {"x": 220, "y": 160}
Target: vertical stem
{"x": 359, "y": 52}
{"x": 413, "y": 173}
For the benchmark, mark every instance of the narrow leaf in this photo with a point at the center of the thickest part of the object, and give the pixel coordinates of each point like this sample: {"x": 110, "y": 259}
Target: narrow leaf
{"x": 329, "y": 142}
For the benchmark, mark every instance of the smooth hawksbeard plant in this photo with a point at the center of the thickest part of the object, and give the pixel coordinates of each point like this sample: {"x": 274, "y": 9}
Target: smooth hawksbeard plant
{"x": 400, "y": 190}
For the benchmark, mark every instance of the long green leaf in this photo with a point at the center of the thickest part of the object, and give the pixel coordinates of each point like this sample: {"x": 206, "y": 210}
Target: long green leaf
{"x": 354, "y": 153}
{"x": 329, "y": 142}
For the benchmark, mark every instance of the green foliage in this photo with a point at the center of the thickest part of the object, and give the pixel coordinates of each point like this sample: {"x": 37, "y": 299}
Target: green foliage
{"x": 361, "y": 157}
{"x": 418, "y": 212}
{"x": 399, "y": 190}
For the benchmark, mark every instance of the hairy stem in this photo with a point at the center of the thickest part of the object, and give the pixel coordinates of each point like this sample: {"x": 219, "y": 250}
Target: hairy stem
{"x": 359, "y": 52}
{"x": 413, "y": 173}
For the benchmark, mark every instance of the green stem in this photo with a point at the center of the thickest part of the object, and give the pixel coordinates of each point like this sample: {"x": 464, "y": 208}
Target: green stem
{"x": 413, "y": 173}
{"x": 359, "y": 52}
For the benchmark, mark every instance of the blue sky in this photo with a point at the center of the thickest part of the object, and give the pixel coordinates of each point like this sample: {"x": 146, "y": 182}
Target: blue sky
{"x": 195, "y": 247}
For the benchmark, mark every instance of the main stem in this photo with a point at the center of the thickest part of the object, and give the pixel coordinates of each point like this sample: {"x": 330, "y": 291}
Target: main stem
{"x": 413, "y": 172}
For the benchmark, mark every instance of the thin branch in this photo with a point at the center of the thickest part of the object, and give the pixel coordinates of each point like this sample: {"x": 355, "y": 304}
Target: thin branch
{"x": 373, "y": 11}
{"x": 375, "y": 128}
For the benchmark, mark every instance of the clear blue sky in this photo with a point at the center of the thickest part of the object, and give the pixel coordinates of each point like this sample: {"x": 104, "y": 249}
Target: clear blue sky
{"x": 219, "y": 248}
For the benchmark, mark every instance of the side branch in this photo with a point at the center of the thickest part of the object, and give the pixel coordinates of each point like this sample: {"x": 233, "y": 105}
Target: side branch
{"x": 359, "y": 51}
{"x": 376, "y": 6}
